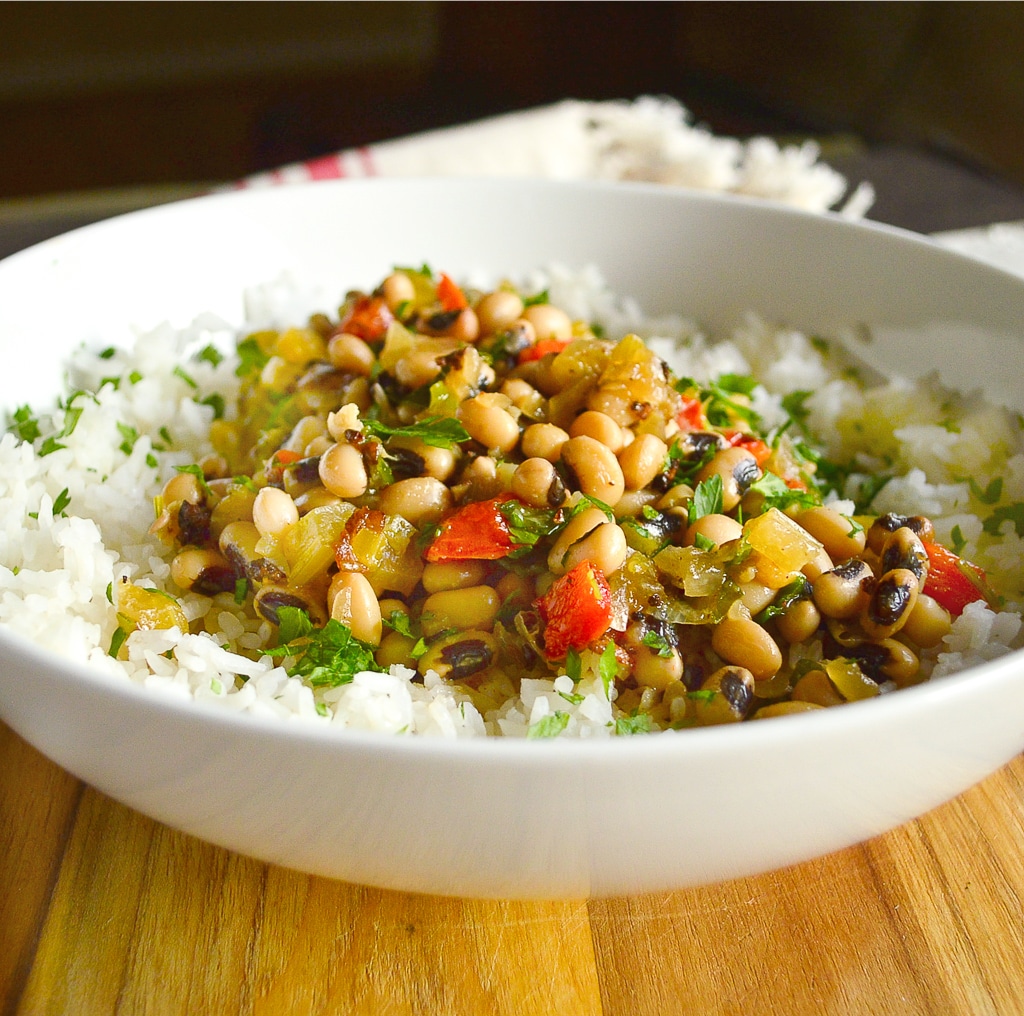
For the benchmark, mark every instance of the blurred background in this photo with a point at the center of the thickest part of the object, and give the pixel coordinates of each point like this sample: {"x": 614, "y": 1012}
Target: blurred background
{"x": 125, "y": 103}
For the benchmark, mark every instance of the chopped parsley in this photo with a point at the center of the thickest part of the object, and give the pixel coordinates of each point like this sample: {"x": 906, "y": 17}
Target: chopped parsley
{"x": 638, "y": 723}
{"x": 991, "y": 494}
{"x": 210, "y": 354}
{"x": 251, "y": 358}
{"x": 325, "y": 657}
{"x": 24, "y": 424}
{"x": 1005, "y": 513}
{"x": 789, "y": 594}
{"x": 116, "y": 641}
{"x": 608, "y": 668}
{"x": 436, "y": 431}
{"x": 549, "y": 726}
{"x": 61, "y": 502}
{"x": 793, "y": 404}
{"x": 656, "y": 641}
{"x": 707, "y": 499}
{"x": 216, "y": 403}
{"x": 190, "y": 381}
{"x": 130, "y": 435}
{"x": 777, "y": 494}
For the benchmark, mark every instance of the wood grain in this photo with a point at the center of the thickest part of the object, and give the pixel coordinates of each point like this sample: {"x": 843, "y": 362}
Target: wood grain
{"x": 105, "y": 911}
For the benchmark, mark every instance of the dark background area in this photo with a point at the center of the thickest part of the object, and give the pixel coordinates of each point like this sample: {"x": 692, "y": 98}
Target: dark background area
{"x": 917, "y": 97}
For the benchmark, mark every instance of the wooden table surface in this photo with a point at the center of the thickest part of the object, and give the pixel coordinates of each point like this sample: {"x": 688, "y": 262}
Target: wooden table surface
{"x": 105, "y": 911}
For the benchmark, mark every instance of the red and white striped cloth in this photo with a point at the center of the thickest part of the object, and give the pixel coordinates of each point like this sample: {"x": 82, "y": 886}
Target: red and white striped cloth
{"x": 647, "y": 139}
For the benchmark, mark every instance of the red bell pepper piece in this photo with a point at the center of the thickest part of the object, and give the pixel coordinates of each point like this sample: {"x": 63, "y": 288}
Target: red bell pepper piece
{"x": 758, "y": 448}
{"x": 577, "y": 609}
{"x": 691, "y": 417}
{"x": 449, "y": 295}
{"x": 368, "y": 319}
{"x": 541, "y": 348}
{"x": 476, "y": 532}
{"x": 951, "y": 581}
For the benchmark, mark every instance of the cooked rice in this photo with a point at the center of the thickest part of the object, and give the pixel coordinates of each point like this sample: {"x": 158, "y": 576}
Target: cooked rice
{"x": 139, "y": 413}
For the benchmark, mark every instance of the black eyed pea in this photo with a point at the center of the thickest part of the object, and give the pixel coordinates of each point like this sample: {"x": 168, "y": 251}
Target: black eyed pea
{"x": 422, "y": 365}
{"x": 633, "y": 502}
{"x": 595, "y": 468}
{"x": 342, "y": 471}
{"x": 516, "y": 589}
{"x": 885, "y": 525}
{"x": 576, "y": 528}
{"x": 654, "y": 670}
{"x": 928, "y": 623}
{"x": 353, "y": 602}
{"x": 601, "y": 427}
{"x": 317, "y": 447}
{"x": 839, "y": 535}
{"x": 725, "y": 697}
{"x": 479, "y": 480}
{"x": 441, "y": 575}
{"x": 498, "y": 310}
{"x": 237, "y": 542}
{"x": 351, "y": 354}
{"x": 390, "y": 604}
{"x": 678, "y": 496}
{"x": 818, "y": 565}
{"x": 202, "y": 571}
{"x": 900, "y": 663}
{"x": 738, "y": 469}
{"x": 642, "y": 460}
{"x": 755, "y": 596}
{"x": 549, "y": 322}
{"x": 816, "y": 687}
{"x": 437, "y": 462}
{"x": 274, "y": 511}
{"x": 305, "y": 430}
{"x": 459, "y": 655}
{"x": 420, "y": 500}
{"x": 270, "y": 598}
{"x": 316, "y": 497}
{"x": 741, "y": 641}
{"x": 798, "y": 622}
{"x": 717, "y": 528}
{"x": 785, "y": 709}
{"x": 891, "y": 604}
{"x": 604, "y": 547}
{"x": 536, "y": 482}
{"x": 183, "y": 487}
{"x": 904, "y": 549}
{"x": 395, "y": 648}
{"x": 544, "y": 441}
{"x": 465, "y": 327}
{"x": 464, "y": 609}
{"x": 845, "y": 590}
{"x": 488, "y": 419}
{"x": 524, "y": 396}
{"x": 397, "y": 289}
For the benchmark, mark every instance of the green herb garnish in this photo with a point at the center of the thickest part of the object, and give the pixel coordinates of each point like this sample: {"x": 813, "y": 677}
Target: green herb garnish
{"x": 325, "y": 657}
{"x": 436, "y": 431}
{"x": 549, "y": 726}
{"x": 707, "y": 499}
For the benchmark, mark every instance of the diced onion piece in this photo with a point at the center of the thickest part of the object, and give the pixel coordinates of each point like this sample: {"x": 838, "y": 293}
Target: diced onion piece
{"x": 784, "y": 542}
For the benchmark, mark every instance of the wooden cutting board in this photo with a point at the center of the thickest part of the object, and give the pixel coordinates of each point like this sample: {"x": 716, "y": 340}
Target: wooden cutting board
{"x": 105, "y": 911}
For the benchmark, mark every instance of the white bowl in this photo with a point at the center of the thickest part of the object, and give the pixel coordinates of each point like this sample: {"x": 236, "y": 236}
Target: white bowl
{"x": 496, "y": 817}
